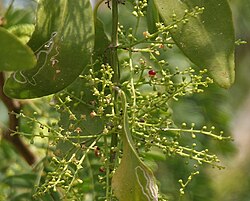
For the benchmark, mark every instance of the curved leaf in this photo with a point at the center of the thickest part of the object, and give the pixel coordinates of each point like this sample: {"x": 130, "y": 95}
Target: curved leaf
{"x": 14, "y": 55}
{"x": 63, "y": 41}
{"x": 101, "y": 40}
{"x": 152, "y": 16}
{"x": 132, "y": 180}
{"x": 208, "y": 39}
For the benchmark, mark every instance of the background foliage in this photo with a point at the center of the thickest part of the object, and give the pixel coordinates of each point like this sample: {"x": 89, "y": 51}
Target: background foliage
{"x": 218, "y": 107}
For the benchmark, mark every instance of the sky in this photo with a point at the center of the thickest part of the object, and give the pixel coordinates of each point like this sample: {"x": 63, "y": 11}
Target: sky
{"x": 23, "y": 3}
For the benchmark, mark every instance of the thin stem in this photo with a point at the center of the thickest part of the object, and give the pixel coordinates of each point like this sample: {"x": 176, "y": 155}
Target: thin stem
{"x": 151, "y": 36}
{"x": 79, "y": 164}
{"x": 114, "y": 42}
{"x": 107, "y": 168}
{"x": 91, "y": 175}
{"x": 132, "y": 84}
{"x": 115, "y": 66}
{"x": 137, "y": 25}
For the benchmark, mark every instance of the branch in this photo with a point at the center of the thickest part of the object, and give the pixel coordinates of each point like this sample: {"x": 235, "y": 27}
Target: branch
{"x": 115, "y": 66}
{"x": 13, "y": 123}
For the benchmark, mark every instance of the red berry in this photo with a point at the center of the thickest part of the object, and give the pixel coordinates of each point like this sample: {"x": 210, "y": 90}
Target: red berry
{"x": 151, "y": 73}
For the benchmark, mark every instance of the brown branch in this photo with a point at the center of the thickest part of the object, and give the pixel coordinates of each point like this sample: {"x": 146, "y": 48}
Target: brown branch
{"x": 13, "y": 123}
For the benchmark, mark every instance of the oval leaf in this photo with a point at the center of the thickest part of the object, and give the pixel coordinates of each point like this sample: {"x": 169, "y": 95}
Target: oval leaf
{"x": 63, "y": 41}
{"x": 14, "y": 55}
{"x": 208, "y": 39}
{"x": 132, "y": 180}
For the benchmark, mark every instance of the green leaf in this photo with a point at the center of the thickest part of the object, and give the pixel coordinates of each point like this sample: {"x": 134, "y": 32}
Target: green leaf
{"x": 22, "y": 180}
{"x": 132, "y": 180}
{"x": 22, "y": 31}
{"x": 22, "y": 196}
{"x": 14, "y": 55}
{"x": 208, "y": 39}
{"x": 63, "y": 41}
{"x": 101, "y": 40}
{"x": 82, "y": 89}
{"x": 18, "y": 16}
{"x": 76, "y": 120}
{"x": 152, "y": 16}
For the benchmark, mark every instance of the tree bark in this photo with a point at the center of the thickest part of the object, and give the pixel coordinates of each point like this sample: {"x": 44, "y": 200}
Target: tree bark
{"x": 15, "y": 140}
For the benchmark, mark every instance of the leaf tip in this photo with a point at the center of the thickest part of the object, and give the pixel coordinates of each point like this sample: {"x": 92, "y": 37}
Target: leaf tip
{"x": 224, "y": 79}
